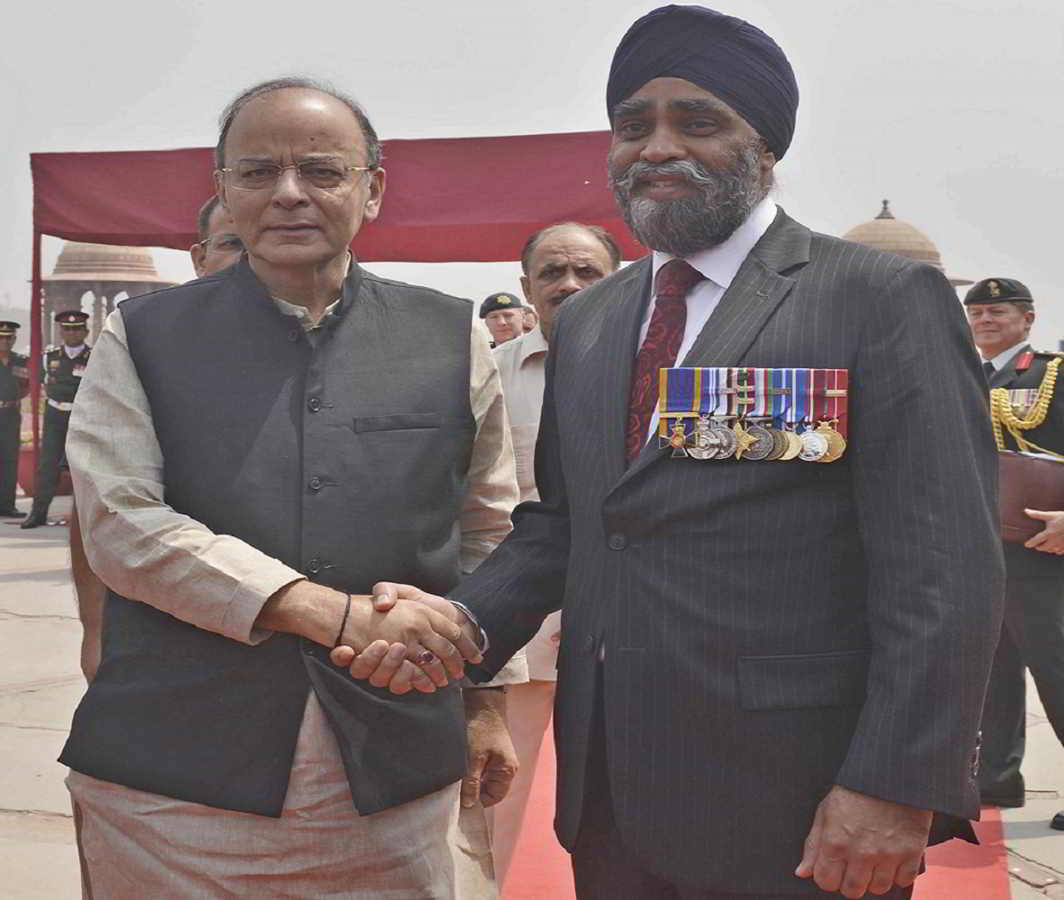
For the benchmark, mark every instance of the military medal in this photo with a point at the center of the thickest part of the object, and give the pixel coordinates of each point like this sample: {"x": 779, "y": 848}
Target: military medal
{"x": 794, "y": 446}
{"x": 762, "y": 443}
{"x": 834, "y": 393}
{"x": 814, "y": 446}
{"x": 756, "y": 414}
{"x": 704, "y": 443}
{"x": 678, "y": 440}
{"x": 835, "y": 441}
{"x": 1022, "y": 400}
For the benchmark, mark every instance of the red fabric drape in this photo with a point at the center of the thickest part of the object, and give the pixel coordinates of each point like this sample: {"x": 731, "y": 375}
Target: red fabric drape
{"x": 448, "y": 200}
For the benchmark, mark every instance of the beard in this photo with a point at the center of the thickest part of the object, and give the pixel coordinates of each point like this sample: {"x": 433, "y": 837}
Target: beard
{"x": 721, "y": 203}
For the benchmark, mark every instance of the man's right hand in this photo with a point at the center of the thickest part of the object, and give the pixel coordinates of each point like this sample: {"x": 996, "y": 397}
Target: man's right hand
{"x": 426, "y": 635}
{"x": 393, "y": 666}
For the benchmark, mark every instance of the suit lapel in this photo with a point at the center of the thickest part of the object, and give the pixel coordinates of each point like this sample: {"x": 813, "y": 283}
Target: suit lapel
{"x": 754, "y": 294}
{"x": 622, "y": 316}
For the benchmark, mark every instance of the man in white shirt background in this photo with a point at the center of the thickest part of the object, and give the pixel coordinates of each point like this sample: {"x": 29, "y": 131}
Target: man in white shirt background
{"x": 556, "y": 262}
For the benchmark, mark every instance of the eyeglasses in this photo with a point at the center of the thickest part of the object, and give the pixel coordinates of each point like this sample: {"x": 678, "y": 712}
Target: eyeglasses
{"x": 224, "y": 242}
{"x": 253, "y": 175}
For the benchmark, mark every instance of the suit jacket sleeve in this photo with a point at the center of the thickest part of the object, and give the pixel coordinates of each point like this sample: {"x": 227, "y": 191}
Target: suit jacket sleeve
{"x": 925, "y": 484}
{"x": 523, "y": 581}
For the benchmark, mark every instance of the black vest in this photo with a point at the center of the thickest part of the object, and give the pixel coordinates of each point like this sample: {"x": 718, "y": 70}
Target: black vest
{"x": 346, "y": 459}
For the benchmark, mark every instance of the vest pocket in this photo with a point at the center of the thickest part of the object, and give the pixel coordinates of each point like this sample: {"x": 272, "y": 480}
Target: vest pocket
{"x": 799, "y": 681}
{"x": 398, "y": 422}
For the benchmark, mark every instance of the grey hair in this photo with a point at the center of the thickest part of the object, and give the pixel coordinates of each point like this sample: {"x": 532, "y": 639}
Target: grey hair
{"x": 225, "y": 120}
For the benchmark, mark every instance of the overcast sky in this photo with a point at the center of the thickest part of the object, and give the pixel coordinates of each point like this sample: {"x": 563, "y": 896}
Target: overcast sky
{"x": 952, "y": 109}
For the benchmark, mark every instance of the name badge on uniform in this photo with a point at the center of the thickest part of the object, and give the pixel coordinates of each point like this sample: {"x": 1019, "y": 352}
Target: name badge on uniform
{"x": 78, "y": 371}
{"x": 754, "y": 414}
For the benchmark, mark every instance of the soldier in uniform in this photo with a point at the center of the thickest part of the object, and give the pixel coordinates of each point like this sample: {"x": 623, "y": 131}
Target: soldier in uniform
{"x": 504, "y": 316}
{"x": 64, "y": 365}
{"x": 14, "y": 384}
{"x": 1030, "y": 416}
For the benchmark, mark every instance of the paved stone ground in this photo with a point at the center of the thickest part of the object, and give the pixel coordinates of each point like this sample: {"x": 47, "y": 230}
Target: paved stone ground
{"x": 40, "y": 683}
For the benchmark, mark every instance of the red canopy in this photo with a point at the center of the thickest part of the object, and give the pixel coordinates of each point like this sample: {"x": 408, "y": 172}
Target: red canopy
{"x": 448, "y": 200}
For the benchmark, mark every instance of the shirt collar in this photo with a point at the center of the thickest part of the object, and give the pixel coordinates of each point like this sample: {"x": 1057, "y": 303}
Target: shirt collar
{"x": 530, "y": 343}
{"x": 72, "y": 352}
{"x": 721, "y": 263}
{"x": 302, "y": 313}
{"x": 998, "y": 362}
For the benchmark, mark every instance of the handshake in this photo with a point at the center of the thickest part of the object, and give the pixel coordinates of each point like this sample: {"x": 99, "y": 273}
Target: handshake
{"x": 410, "y": 640}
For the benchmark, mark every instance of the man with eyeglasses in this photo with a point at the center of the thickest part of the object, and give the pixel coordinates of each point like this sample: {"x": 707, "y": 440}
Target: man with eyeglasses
{"x": 218, "y": 246}
{"x": 241, "y": 493}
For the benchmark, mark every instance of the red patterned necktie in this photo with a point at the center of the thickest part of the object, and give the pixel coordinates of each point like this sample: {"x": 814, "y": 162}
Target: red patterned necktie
{"x": 662, "y": 343}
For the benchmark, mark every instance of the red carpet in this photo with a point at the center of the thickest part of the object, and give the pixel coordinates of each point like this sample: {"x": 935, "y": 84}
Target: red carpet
{"x": 541, "y": 871}
{"x": 957, "y": 869}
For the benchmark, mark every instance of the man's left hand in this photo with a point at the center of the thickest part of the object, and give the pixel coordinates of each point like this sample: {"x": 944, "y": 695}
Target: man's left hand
{"x": 492, "y": 759}
{"x": 862, "y": 844}
{"x": 1051, "y": 538}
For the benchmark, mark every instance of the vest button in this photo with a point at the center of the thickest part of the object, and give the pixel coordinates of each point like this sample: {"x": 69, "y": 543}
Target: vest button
{"x": 293, "y": 335}
{"x": 314, "y": 404}
{"x": 617, "y": 541}
{"x": 313, "y": 566}
{"x": 315, "y": 483}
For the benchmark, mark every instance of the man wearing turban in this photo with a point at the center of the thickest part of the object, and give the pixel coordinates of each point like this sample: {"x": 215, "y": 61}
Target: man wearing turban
{"x": 771, "y": 669}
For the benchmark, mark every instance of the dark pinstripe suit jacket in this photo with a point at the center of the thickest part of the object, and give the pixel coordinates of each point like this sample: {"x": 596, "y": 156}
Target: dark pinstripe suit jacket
{"x": 770, "y": 629}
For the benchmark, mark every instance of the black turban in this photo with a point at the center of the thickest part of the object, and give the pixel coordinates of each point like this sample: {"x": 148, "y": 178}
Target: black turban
{"x": 726, "y": 56}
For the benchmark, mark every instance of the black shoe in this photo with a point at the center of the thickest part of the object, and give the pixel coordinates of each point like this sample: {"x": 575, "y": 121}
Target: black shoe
{"x": 34, "y": 520}
{"x": 985, "y": 799}
{"x": 1058, "y": 821}
{"x": 11, "y": 513}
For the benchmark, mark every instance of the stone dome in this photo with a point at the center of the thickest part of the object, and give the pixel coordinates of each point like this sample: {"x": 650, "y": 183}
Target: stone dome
{"x": 892, "y": 235}
{"x": 105, "y": 262}
{"x": 885, "y": 232}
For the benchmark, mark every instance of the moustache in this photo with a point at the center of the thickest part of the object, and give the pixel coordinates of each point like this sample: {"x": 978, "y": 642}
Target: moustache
{"x": 643, "y": 171}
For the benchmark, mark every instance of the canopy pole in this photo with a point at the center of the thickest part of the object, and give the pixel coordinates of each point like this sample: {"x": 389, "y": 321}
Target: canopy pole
{"x": 36, "y": 341}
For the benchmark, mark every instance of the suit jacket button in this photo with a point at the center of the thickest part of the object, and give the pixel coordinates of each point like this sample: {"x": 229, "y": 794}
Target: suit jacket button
{"x": 315, "y": 483}
{"x": 314, "y": 404}
{"x": 617, "y": 541}
{"x": 313, "y": 566}
{"x": 589, "y": 643}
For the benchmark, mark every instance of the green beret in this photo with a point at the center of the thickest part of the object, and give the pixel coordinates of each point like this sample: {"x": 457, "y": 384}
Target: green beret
{"x": 501, "y": 300}
{"x": 998, "y": 290}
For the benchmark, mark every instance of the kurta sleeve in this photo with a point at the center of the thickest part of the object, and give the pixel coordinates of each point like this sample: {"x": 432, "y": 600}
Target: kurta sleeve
{"x": 139, "y": 546}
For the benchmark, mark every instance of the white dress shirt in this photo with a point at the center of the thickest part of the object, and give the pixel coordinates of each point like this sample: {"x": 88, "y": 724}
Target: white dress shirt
{"x": 719, "y": 265}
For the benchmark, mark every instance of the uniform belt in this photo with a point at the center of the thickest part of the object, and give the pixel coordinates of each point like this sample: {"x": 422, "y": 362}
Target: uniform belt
{"x": 62, "y": 407}
{"x": 9, "y": 404}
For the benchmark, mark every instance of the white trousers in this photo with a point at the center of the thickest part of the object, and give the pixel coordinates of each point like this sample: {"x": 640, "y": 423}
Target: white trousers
{"x": 136, "y": 845}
